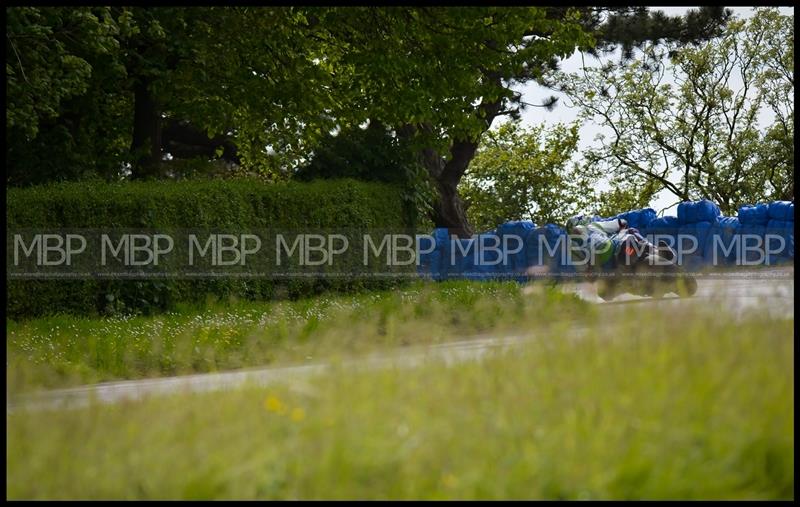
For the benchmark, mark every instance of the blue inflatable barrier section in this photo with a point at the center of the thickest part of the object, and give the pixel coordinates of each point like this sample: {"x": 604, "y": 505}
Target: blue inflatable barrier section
{"x": 463, "y": 259}
{"x": 662, "y": 229}
{"x": 721, "y": 244}
{"x": 782, "y": 210}
{"x": 430, "y": 256}
{"x": 638, "y": 219}
{"x": 754, "y": 215}
{"x": 664, "y": 223}
{"x": 512, "y": 236}
{"x": 692, "y": 212}
{"x": 780, "y": 251}
{"x": 556, "y": 249}
{"x": 751, "y": 242}
{"x": 760, "y": 234}
{"x": 436, "y": 261}
{"x": 543, "y": 247}
{"x": 692, "y": 241}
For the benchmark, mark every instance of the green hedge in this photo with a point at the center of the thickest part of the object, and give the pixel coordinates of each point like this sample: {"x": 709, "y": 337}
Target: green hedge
{"x": 230, "y": 204}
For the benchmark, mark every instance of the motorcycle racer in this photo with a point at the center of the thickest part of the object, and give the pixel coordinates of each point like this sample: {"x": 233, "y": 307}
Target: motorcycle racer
{"x": 598, "y": 241}
{"x": 610, "y": 246}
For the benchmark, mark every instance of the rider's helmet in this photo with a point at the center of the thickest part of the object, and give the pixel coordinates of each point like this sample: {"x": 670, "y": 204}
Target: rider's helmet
{"x": 574, "y": 222}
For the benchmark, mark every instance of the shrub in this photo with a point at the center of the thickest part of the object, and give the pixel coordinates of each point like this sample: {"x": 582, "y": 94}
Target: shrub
{"x": 230, "y": 204}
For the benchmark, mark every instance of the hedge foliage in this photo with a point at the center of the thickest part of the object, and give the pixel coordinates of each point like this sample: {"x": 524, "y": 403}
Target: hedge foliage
{"x": 230, "y": 204}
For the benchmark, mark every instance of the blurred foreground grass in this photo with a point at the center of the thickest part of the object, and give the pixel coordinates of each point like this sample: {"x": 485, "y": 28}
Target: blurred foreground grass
{"x": 66, "y": 350}
{"x": 655, "y": 405}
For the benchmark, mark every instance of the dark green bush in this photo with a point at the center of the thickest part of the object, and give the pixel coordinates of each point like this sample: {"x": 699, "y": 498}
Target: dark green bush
{"x": 374, "y": 154}
{"x": 231, "y": 205}
{"x": 369, "y": 154}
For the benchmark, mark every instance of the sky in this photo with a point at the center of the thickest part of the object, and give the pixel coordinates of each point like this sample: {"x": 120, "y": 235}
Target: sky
{"x": 563, "y": 113}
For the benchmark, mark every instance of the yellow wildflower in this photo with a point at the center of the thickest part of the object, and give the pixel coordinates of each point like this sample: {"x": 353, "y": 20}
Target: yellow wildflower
{"x": 298, "y": 414}
{"x": 274, "y": 404}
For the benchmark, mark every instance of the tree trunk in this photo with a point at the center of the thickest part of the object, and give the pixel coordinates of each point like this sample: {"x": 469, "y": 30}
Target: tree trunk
{"x": 146, "y": 143}
{"x": 448, "y": 211}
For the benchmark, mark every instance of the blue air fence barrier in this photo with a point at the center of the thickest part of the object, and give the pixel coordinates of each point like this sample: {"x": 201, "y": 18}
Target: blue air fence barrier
{"x": 434, "y": 264}
{"x": 557, "y": 250}
{"x": 756, "y": 215}
{"x": 692, "y": 212}
{"x": 748, "y": 239}
{"x": 722, "y": 242}
{"x": 462, "y": 259}
{"x": 545, "y": 247}
{"x": 733, "y": 243}
{"x": 533, "y": 257}
{"x": 481, "y": 257}
{"x": 751, "y": 242}
{"x": 779, "y": 252}
{"x": 781, "y": 210}
{"x": 451, "y": 259}
{"x": 430, "y": 257}
{"x": 691, "y": 241}
{"x": 638, "y": 219}
{"x": 513, "y": 235}
{"x": 662, "y": 229}
{"x": 669, "y": 223}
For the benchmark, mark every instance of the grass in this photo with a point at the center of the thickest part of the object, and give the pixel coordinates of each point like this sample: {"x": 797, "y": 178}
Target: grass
{"x": 63, "y": 350}
{"x": 652, "y": 406}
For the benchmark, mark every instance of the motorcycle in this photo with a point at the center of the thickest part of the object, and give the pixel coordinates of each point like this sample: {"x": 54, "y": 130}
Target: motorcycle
{"x": 644, "y": 269}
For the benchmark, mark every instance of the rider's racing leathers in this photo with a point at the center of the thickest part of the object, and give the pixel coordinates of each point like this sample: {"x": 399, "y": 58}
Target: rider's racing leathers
{"x": 598, "y": 241}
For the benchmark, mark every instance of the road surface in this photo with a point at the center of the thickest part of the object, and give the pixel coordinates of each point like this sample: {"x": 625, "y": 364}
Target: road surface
{"x": 770, "y": 291}
{"x": 764, "y": 291}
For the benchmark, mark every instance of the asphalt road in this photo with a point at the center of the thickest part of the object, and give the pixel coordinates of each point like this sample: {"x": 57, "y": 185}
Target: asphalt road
{"x": 770, "y": 291}
{"x": 767, "y": 290}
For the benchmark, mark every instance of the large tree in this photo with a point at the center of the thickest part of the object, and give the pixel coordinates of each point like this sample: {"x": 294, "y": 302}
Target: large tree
{"x": 703, "y": 134}
{"x": 275, "y": 81}
{"x": 524, "y": 173}
{"x": 65, "y": 113}
{"x": 445, "y": 75}
{"x": 90, "y": 89}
